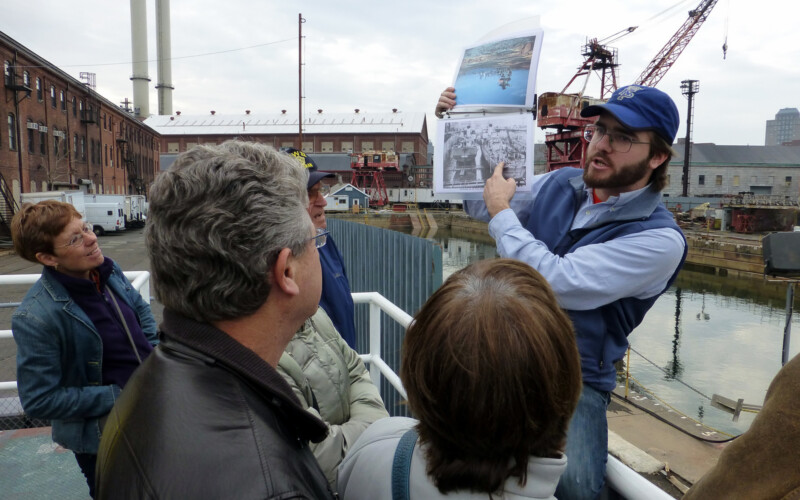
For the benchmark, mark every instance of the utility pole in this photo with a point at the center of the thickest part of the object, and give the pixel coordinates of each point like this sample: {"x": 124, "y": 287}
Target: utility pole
{"x": 300, "y": 22}
{"x": 688, "y": 88}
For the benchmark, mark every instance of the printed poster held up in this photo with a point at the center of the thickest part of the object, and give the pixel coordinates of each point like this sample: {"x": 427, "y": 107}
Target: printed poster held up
{"x": 493, "y": 119}
{"x": 468, "y": 150}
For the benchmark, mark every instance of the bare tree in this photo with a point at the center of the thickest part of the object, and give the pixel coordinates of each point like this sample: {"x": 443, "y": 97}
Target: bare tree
{"x": 59, "y": 170}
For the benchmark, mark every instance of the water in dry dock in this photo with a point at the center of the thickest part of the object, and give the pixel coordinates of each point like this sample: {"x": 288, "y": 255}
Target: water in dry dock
{"x": 706, "y": 335}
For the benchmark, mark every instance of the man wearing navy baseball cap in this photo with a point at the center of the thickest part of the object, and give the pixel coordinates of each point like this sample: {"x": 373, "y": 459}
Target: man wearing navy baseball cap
{"x": 605, "y": 243}
{"x": 320, "y": 363}
{"x": 336, "y": 298}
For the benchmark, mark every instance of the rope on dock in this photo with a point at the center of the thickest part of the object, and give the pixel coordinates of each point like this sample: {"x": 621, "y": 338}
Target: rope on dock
{"x": 668, "y": 375}
{"x": 664, "y": 403}
{"x": 652, "y": 394}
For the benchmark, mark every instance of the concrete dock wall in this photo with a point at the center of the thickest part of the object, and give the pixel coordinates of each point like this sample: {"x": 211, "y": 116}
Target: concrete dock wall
{"x": 715, "y": 252}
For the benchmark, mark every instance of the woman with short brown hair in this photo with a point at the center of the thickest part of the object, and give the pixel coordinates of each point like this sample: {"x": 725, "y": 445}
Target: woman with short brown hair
{"x": 492, "y": 373}
{"x": 81, "y": 329}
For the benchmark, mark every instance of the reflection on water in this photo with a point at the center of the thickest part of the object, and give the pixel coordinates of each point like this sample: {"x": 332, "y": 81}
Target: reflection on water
{"x": 706, "y": 335}
{"x": 457, "y": 253}
{"x": 476, "y": 87}
{"x": 674, "y": 369}
{"x": 727, "y": 337}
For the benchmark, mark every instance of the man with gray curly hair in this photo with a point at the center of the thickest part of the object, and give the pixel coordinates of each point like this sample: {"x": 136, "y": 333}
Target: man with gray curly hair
{"x": 234, "y": 260}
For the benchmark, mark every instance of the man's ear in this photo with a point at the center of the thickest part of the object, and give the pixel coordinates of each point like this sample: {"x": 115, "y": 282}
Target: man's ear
{"x": 657, "y": 160}
{"x": 283, "y": 273}
{"x": 47, "y": 259}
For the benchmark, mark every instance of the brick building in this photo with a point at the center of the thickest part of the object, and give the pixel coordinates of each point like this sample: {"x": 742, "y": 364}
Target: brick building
{"x": 60, "y": 134}
{"x": 330, "y": 138}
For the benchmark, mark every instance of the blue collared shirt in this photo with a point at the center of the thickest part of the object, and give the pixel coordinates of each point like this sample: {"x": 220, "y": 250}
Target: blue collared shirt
{"x": 638, "y": 265}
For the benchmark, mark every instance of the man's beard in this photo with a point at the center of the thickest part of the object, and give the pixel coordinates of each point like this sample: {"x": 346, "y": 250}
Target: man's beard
{"x": 622, "y": 177}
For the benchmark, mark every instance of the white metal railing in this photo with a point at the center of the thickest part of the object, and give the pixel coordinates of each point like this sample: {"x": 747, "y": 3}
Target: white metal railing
{"x": 619, "y": 477}
{"x": 377, "y": 366}
{"x": 139, "y": 279}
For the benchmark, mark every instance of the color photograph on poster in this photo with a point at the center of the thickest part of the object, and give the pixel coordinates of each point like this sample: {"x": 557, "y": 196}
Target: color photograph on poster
{"x": 499, "y": 73}
{"x": 468, "y": 149}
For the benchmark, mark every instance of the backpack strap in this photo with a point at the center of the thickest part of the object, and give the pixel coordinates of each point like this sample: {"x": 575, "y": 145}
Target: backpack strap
{"x": 401, "y": 466}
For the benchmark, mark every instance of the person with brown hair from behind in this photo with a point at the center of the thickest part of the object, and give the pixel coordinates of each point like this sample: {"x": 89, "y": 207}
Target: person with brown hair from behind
{"x": 493, "y": 376}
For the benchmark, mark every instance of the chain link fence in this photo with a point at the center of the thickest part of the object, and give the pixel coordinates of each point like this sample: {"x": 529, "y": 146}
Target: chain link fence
{"x": 12, "y": 416}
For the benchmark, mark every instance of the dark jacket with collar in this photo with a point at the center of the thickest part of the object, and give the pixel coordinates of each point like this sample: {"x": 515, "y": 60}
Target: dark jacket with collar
{"x": 205, "y": 417}
{"x": 601, "y": 333}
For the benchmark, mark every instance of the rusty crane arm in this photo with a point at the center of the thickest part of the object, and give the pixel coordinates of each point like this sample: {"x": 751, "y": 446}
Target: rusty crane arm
{"x": 666, "y": 57}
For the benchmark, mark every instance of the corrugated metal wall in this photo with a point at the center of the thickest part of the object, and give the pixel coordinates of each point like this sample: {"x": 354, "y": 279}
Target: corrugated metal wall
{"x": 403, "y": 268}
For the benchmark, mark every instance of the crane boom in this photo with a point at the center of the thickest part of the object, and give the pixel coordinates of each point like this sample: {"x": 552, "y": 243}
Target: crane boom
{"x": 666, "y": 57}
{"x": 560, "y": 112}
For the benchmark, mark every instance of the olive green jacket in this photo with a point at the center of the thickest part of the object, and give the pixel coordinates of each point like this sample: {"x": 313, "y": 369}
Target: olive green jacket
{"x": 764, "y": 462}
{"x": 332, "y": 383}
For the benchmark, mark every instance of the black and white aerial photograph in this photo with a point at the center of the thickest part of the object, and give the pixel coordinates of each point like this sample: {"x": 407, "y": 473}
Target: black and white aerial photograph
{"x": 468, "y": 150}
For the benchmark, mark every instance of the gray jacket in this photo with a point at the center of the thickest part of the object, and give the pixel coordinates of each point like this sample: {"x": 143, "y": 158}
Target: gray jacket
{"x": 333, "y": 384}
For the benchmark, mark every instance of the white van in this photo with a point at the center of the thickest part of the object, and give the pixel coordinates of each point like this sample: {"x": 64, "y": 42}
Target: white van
{"x": 105, "y": 217}
{"x": 74, "y": 198}
{"x": 134, "y": 210}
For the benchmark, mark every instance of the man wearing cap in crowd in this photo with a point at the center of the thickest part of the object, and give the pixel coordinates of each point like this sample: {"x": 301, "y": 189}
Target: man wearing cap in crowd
{"x": 605, "y": 243}
{"x": 336, "y": 299}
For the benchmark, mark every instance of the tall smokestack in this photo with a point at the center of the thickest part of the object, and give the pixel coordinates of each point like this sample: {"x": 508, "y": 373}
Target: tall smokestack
{"x": 164, "y": 48}
{"x": 141, "y": 99}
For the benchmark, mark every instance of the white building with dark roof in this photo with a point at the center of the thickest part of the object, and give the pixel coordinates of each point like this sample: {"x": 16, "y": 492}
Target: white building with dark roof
{"x": 728, "y": 170}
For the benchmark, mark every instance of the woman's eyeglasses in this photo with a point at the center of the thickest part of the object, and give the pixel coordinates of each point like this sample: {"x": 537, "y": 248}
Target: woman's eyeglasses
{"x": 78, "y": 238}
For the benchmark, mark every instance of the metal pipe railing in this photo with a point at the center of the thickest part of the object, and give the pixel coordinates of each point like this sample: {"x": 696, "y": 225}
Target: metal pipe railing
{"x": 630, "y": 484}
{"x": 377, "y": 367}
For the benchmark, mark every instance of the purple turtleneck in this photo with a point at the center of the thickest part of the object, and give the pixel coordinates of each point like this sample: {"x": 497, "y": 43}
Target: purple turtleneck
{"x": 92, "y": 296}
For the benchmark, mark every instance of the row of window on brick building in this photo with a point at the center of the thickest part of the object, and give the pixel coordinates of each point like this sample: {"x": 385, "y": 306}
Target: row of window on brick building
{"x": 37, "y": 132}
{"x": 701, "y": 180}
{"x": 56, "y": 96}
{"x": 88, "y": 115}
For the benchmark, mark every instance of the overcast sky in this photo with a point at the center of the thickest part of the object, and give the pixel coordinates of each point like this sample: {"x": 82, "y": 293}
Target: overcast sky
{"x": 243, "y": 54}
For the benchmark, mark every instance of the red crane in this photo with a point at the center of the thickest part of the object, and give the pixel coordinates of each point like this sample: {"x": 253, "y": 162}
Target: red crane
{"x": 666, "y": 57}
{"x": 566, "y": 146}
{"x": 368, "y": 168}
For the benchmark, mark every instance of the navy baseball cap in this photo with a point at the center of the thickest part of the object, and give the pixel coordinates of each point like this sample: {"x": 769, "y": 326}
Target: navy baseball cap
{"x": 314, "y": 175}
{"x": 641, "y": 108}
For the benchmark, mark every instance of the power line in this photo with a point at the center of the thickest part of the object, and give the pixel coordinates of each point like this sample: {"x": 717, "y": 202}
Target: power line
{"x": 668, "y": 12}
{"x": 205, "y": 54}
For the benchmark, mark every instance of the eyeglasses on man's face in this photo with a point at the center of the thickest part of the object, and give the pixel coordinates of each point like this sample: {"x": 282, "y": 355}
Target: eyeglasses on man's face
{"x": 619, "y": 141}
{"x": 321, "y": 238}
{"x": 77, "y": 239}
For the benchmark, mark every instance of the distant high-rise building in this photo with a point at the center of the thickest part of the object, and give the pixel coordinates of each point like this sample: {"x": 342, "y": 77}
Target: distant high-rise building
{"x": 784, "y": 128}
